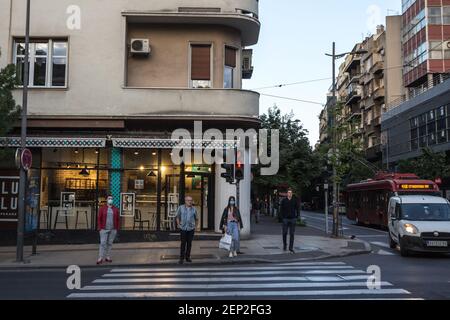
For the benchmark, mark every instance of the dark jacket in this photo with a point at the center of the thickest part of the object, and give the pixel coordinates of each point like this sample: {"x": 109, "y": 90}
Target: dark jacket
{"x": 289, "y": 209}
{"x": 102, "y": 215}
{"x": 236, "y": 215}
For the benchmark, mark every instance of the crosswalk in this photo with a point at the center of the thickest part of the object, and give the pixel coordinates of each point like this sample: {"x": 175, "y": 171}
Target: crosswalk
{"x": 298, "y": 280}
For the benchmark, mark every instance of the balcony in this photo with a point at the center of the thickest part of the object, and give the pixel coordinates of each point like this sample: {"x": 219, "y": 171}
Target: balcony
{"x": 374, "y": 152}
{"x": 377, "y": 68}
{"x": 238, "y": 14}
{"x": 379, "y": 93}
{"x": 145, "y": 103}
{"x": 354, "y": 93}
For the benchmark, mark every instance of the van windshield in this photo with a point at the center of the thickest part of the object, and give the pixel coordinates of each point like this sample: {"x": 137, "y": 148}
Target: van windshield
{"x": 425, "y": 212}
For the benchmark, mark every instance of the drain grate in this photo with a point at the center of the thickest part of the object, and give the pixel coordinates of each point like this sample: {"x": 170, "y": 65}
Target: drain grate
{"x": 272, "y": 248}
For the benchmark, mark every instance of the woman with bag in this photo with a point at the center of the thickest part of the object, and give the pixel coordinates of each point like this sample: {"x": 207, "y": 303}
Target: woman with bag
{"x": 231, "y": 223}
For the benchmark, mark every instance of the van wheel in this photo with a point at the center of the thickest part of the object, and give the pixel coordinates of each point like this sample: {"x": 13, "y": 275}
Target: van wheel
{"x": 403, "y": 250}
{"x": 392, "y": 243}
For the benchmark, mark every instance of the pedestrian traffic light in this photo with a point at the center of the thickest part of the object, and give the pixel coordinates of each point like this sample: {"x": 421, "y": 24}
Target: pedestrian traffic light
{"x": 229, "y": 174}
{"x": 239, "y": 171}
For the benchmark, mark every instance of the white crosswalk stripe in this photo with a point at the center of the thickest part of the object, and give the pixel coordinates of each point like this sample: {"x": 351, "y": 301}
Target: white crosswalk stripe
{"x": 330, "y": 280}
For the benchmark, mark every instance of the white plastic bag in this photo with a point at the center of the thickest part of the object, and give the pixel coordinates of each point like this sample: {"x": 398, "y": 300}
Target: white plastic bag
{"x": 225, "y": 242}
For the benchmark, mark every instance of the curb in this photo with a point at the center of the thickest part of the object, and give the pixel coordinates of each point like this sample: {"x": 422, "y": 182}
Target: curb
{"x": 24, "y": 267}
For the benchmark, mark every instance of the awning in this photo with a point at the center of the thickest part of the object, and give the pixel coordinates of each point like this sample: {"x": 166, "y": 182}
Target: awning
{"x": 54, "y": 142}
{"x": 136, "y": 143}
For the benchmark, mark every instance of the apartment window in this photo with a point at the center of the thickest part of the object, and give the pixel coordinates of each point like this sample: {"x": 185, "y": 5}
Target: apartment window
{"x": 48, "y": 67}
{"x": 201, "y": 66}
{"x": 435, "y": 15}
{"x": 446, "y": 15}
{"x": 230, "y": 67}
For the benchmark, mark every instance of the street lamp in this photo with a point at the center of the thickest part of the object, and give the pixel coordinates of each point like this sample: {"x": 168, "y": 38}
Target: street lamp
{"x": 335, "y": 57}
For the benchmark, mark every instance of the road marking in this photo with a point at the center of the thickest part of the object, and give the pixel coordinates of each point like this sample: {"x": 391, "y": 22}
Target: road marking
{"x": 210, "y": 294}
{"x": 381, "y": 244}
{"x": 285, "y": 267}
{"x": 333, "y": 280}
{"x": 352, "y": 226}
{"x": 385, "y": 253}
{"x": 233, "y": 273}
{"x": 232, "y": 286}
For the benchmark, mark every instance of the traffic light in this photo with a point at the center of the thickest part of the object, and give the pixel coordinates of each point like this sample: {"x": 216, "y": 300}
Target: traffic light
{"x": 239, "y": 171}
{"x": 229, "y": 174}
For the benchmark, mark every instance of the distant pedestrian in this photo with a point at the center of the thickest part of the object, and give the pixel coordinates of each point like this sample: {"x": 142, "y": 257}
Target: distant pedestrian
{"x": 108, "y": 222}
{"x": 186, "y": 221}
{"x": 257, "y": 207}
{"x": 231, "y": 223}
{"x": 289, "y": 213}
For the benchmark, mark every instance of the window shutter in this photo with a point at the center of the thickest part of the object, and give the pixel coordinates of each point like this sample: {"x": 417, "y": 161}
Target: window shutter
{"x": 230, "y": 57}
{"x": 201, "y": 62}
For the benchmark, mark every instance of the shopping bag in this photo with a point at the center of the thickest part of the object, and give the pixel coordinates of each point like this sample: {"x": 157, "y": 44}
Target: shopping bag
{"x": 225, "y": 242}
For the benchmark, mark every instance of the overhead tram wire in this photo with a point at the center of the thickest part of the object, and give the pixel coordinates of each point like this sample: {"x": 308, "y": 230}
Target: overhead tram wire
{"x": 292, "y": 84}
{"x": 293, "y": 99}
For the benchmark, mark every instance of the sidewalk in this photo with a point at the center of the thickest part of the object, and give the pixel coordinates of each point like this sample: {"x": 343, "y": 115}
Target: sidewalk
{"x": 265, "y": 245}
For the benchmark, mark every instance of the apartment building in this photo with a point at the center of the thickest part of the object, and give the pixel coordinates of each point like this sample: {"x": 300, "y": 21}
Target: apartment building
{"x": 109, "y": 82}
{"x": 419, "y": 118}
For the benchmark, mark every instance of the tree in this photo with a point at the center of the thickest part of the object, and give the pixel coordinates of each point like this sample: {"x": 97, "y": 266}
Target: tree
{"x": 429, "y": 165}
{"x": 297, "y": 163}
{"x": 9, "y": 111}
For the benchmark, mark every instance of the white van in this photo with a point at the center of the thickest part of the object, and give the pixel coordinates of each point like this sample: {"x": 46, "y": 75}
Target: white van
{"x": 419, "y": 223}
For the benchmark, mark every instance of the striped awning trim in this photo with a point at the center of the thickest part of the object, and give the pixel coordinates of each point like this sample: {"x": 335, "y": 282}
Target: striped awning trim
{"x": 54, "y": 142}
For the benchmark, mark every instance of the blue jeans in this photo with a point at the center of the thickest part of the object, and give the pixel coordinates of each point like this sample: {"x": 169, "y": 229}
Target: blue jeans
{"x": 233, "y": 231}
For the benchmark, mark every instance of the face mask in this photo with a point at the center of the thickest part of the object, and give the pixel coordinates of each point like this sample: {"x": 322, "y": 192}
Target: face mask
{"x": 110, "y": 201}
{"x": 232, "y": 203}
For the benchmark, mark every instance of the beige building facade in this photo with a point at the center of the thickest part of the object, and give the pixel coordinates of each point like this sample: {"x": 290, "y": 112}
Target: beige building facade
{"x": 110, "y": 80}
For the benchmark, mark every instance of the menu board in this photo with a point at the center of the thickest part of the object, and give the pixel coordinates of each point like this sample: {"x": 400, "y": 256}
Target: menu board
{"x": 127, "y": 204}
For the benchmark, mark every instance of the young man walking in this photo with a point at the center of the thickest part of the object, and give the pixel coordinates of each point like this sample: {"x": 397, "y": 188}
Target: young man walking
{"x": 289, "y": 213}
{"x": 108, "y": 223}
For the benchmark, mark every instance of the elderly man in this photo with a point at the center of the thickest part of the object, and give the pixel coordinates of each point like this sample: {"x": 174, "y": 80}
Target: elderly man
{"x": 186, "y": 221}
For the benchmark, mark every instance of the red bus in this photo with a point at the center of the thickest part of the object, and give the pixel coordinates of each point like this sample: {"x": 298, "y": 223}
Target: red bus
{"x": 367, "y": 201}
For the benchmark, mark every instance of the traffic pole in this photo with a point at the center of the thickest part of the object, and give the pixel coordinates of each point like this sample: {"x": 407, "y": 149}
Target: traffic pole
{"x": 326, "y": 208}
{"x": 23, "y": 139}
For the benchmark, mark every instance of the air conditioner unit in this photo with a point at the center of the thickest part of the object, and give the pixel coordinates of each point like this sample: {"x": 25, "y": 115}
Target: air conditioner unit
{"x": 247, "y": 68}
{"x": 140, "y": 46}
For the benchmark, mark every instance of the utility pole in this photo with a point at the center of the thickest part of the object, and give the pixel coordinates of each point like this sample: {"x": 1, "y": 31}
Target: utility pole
{"x": 326, "y": 207}
{"x": 23, "y": 139}
{"x": 335, "y": 195}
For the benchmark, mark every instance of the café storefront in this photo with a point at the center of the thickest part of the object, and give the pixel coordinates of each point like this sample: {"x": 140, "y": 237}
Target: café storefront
{"x": 73, "y": 177}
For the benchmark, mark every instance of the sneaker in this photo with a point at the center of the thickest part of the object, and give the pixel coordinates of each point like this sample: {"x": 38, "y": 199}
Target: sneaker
{"x": 292, "y": 251}
{"x": 235, "y": 254}
{"x": 181, "y": 261}
{"x": 231, "y": 255}
{"x": 109, "y": 260}
{"x": 99, "y": 261}
{"x": 284, "y": 249}
{"x": 188, "y": 260}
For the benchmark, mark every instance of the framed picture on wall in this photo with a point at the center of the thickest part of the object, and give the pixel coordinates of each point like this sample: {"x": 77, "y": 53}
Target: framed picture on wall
{"x": 138, "y": 184}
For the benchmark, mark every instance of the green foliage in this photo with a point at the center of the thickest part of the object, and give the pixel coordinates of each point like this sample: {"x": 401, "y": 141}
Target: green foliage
{"x": 428, "y": 166}
{"x": 9, "y": 111}
{"x": 298, "y": 165}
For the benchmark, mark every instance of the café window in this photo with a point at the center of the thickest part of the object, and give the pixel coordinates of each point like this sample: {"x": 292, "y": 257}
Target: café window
{"x": 48, "y": 67}
{"x": 201, "y": 66}
{"x": 73, "y": 183}
{"x": 229, "y": 68}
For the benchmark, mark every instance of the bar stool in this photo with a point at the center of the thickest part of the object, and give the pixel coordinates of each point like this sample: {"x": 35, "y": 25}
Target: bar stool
{"x": 85, "y": 211}
{"x": 56, "y": 218}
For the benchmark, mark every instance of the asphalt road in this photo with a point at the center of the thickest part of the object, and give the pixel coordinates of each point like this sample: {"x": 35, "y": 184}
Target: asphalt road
{"x": 419, "y": 277}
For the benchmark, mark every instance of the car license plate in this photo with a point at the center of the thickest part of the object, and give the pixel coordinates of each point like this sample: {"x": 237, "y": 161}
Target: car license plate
{"x": 437, "y": 244}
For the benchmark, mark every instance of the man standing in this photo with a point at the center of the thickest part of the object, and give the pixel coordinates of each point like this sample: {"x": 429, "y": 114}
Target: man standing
{"x": 108, "y": 223}
{"x": 186, "y": 221}
{"x": 289, "y": 213}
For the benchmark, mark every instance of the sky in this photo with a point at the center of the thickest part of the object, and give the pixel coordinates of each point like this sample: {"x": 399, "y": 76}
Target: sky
{"x": 295, "y": 35}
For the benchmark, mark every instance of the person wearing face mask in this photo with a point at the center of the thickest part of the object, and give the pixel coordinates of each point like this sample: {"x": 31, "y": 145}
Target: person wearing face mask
{"x": 108, "y": 222}
{"x": 231, "y": 223}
